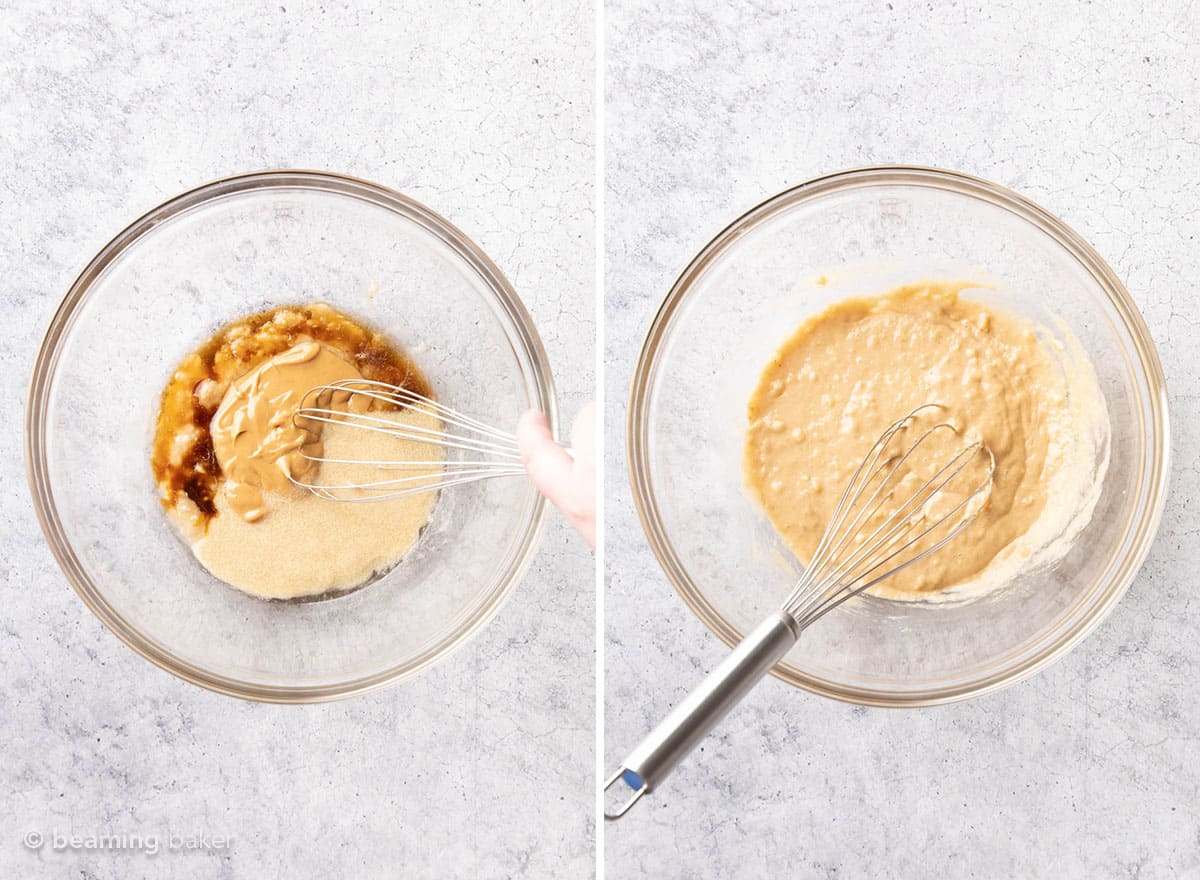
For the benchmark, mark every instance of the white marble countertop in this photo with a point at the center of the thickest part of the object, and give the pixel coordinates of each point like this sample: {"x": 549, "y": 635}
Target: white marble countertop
{"x": 1090, "y": 768}
{"x": 479, "y": 767}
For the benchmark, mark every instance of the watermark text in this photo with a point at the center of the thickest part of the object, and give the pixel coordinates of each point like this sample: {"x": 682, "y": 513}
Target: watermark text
{"x": 149, "y": 843}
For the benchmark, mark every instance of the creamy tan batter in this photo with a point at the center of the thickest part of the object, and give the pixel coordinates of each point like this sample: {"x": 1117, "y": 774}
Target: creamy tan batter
{"x": 852, "y": 370}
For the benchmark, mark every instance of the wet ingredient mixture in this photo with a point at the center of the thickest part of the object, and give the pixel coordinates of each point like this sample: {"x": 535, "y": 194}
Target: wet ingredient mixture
{"x": 228, "y": 450}
{"x": 852, "y": 370}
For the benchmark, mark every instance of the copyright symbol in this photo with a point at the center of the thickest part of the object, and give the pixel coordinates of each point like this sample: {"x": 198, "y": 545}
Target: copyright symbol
{"x": 34, "y": 840}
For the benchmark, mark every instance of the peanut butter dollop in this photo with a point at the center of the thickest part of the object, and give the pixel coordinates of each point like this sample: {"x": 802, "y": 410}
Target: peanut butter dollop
{"x": 257, "y": 438}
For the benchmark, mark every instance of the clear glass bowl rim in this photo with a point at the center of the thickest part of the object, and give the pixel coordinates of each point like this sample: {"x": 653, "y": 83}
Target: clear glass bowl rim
{"x": 638, "y": 420}
{"x": 539, "y": 381}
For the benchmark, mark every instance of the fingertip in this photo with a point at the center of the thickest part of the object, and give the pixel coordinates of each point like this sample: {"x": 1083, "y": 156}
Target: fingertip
{"x": 533, "y": 429}
{"x": 532, "y": 418}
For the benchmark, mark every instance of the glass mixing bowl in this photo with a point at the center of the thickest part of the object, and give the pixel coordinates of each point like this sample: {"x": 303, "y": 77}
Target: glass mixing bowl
{"x": 224, "y": 250}
{"x": 862, "y": 232}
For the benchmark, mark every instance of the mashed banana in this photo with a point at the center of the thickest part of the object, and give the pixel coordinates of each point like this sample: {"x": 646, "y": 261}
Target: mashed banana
{"x": 851, "y": 371}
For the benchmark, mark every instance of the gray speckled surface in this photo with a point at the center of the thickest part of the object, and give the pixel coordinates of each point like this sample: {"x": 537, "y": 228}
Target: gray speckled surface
{"x": 482, "y": 113}
{"x": 1092, "y": 767}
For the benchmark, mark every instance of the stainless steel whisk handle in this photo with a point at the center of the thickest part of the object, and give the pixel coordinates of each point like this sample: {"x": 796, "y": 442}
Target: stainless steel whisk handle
{"x": 689, "y": 722}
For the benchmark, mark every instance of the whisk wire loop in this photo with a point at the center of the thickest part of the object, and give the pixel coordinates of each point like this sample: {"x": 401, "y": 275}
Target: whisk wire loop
{"x": 406, "y": 397}
{"x": 845, "y": 588}
{"x": 859, "y": 481}
{"x": 486, "y": 452}
{"x": 838, "y": 571}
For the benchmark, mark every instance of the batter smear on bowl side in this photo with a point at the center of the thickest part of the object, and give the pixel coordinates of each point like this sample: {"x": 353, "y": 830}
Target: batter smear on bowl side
{"x": 229, "y": 449}
{"x": 850, "y": 371}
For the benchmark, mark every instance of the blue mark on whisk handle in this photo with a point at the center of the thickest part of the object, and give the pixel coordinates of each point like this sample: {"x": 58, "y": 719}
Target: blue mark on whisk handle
{"x": 636, "y": 784}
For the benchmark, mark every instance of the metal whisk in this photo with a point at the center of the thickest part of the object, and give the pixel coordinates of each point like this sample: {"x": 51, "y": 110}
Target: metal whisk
{"x": 871, "y": 536}
{"x": 489, "y": 452}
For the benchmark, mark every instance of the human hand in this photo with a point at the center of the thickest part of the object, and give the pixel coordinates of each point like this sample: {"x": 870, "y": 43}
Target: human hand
{"x": 568, "y": 482}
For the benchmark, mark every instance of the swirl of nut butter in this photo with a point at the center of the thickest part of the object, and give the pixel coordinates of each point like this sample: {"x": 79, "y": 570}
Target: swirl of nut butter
{"x": 259, "y": 443}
